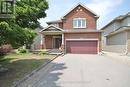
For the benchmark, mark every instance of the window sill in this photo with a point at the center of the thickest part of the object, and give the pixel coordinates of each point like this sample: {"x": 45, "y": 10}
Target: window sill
{"x": 80, "y": 28}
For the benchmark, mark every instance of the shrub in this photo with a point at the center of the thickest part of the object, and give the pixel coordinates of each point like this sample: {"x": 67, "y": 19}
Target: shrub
{"x": 43, "y": 53}
{"x": 22, "y": 50}
{"x": 4, "y": 49}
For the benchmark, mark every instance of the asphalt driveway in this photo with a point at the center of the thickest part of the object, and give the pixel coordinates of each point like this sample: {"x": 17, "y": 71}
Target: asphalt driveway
{"x": 76, "y": 70}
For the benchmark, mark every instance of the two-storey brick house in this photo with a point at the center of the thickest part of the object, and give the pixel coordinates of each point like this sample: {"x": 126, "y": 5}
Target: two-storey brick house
{"x": 74, "y": 33}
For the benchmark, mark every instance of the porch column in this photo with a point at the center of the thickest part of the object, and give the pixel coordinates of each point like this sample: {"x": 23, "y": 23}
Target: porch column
{"x": 42, "y": 41}
{"x": 62, "y": 39}
{"x": 62, "y": 44}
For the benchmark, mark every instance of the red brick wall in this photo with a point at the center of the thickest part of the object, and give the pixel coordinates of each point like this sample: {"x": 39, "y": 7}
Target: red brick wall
{"x": 90, "y": 19}
{"x": 84, "y": 36}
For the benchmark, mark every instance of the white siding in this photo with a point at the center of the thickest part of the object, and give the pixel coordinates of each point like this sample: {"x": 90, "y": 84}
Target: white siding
{"x": 128, "y": 34}
{"x": 37, "y": 41}
{"x": 126, "y": 22}
{"x": 117, "y": 25}
{"x": 119, "y": 38}
{"x": 119, "y": 42}
{"x": 128, "y": 41}
{"x": 111, "y": 28}
{"x": 116, "y": 43}
{"x": 108, "y": 29}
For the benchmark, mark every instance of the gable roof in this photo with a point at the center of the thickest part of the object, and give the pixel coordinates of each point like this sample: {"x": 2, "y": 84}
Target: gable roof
{"x": 119, "y": 18}
{"x": 79, "y": 4}
{"x": 55, "y": 21}
{"x": 121, "y": 29}
{"x": 51, "y": 28}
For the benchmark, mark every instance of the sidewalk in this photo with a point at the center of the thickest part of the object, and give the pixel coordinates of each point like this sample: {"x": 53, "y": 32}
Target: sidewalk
{"x": 122, "y": 58}
{"x": 36, "y": 75}
{"x": 30, "y": 81}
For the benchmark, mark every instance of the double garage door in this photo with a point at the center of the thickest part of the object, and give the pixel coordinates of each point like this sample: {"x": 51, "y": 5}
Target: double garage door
{"x": 82, "y": 46}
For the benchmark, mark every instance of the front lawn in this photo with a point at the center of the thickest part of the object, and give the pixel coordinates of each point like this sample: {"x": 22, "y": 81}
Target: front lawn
{"x": 19, "y": 65}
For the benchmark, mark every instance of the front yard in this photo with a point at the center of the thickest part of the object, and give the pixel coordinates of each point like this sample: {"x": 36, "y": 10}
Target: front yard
{"x": 19, "y": 65}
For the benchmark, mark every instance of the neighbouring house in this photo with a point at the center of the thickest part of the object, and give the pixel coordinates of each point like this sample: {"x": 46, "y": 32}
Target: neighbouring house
{"x": 36, "y": 45}
{"x": 76, "y": 32}
{"x": 116, "y": 35}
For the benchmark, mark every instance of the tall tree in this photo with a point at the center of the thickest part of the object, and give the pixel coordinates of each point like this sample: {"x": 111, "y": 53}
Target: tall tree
{"x": 18, "y": 31}
{"x": 29, "y": 11}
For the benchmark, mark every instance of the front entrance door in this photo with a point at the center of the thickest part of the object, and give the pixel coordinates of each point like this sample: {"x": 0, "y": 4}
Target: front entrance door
{"x": 57, "y": 43}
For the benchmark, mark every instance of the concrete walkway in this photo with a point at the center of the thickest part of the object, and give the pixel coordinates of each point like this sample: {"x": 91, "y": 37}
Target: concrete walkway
{"x": 76, "y": 70}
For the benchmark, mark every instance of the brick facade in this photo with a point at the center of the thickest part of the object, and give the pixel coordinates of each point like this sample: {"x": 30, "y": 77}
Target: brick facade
{"x": 66, "y": 25}
{"x": 89, "y": 35}
{"x": 90, "y": 19}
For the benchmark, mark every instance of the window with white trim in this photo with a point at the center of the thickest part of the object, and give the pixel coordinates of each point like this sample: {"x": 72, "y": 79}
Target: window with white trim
{"x": 79, "y": 23}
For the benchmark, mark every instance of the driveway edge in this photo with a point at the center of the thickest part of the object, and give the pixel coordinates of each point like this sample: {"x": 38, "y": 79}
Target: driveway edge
{"x": 16, "y": 84}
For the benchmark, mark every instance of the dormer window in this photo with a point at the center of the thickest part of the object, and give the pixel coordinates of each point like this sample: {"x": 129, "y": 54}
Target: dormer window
{"x": 79, "y": 23}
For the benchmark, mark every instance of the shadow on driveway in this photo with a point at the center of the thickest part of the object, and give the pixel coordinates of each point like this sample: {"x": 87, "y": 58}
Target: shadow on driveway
{"x": 51, "y": 76}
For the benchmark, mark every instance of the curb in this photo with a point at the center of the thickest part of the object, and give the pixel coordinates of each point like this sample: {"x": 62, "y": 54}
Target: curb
{"x": 16, "y": 84}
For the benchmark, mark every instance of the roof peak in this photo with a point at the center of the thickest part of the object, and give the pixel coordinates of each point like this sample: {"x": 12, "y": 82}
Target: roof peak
{"x": 54, "y": 21}
{"x": 83, "y": 7}
{"x": 120, "y": 17}
{"x": 51, "y": 26}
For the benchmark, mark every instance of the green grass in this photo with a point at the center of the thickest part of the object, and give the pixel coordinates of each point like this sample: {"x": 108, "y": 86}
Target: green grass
{"x": 20, "y": 65}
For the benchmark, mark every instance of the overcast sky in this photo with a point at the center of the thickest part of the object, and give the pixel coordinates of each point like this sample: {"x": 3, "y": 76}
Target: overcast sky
{"x": 106, "y": 9}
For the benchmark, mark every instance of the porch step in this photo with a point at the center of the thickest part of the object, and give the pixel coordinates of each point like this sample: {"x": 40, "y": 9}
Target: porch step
{"x": 36, "y": 52}
{"x": 54, "y": 51}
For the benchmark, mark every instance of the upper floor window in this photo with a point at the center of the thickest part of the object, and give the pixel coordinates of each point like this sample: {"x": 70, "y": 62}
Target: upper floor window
{"x": 6, "y": 7}
{"x": 79, "y": 23}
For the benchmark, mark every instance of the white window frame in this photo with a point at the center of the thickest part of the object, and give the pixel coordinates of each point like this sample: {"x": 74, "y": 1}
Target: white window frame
{"x": 77, "y": 19}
